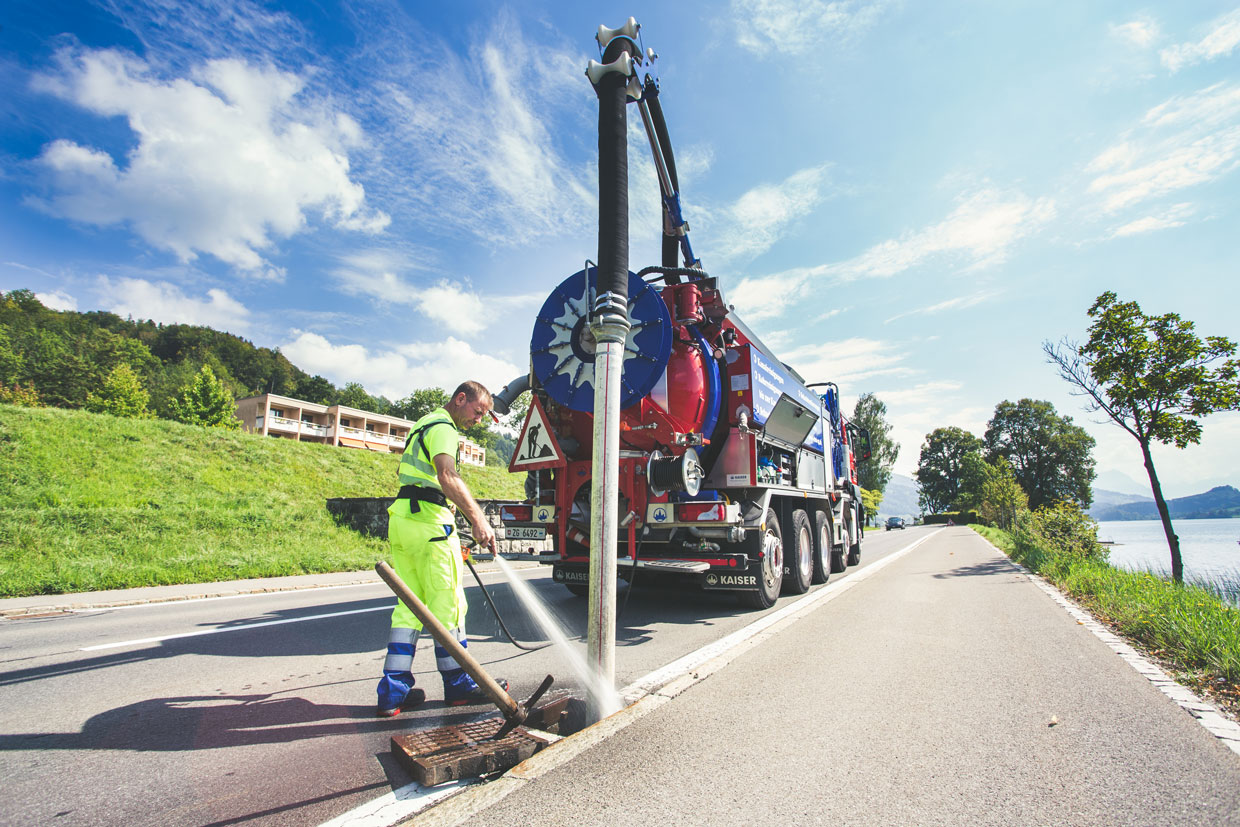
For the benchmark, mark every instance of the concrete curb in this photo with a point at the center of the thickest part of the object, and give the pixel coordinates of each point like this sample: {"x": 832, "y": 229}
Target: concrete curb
{"x": 1224, "y": 729}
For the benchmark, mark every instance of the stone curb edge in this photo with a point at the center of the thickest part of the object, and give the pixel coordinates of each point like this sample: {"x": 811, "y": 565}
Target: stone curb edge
{"x": 1207, "y": 714}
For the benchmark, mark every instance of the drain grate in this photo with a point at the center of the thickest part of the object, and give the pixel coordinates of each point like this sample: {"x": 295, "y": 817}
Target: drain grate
{"x": 434, "y": 756}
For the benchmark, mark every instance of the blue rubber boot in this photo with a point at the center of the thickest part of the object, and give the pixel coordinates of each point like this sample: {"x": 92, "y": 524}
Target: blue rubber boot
{"x": 459, "y": 688}
{"x": 396, "y": 690}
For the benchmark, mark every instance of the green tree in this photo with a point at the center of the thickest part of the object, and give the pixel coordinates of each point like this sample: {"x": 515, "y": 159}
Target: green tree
{"x": 419, "y": 403}
{"x": 12, "y": 365}
{"x": 1003, "y": 499}
{"x": 870, "y": 501}
{"x": 1051, "y": 457}
{"x": 315, "y": 389}
{"x": 121, "y": 394}
{"x": 940, "y": 464}
{"x": 1153, "y": 377}
{"x": 975, "y": 471}
{"x": 355, "y": 396}
{"x": 205, "y": 401}
{"x": 871, "y": 413}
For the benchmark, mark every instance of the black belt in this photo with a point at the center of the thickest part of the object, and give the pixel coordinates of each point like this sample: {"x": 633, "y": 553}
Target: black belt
{"x": 417, "y": 493}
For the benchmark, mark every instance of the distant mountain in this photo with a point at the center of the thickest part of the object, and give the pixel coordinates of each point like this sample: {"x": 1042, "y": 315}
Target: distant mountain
{"x": 1121, "y": 483}
{"x": 900, "y": 499}
{"x": 1105, "y": 500}
{"x": 1222, "y": 501}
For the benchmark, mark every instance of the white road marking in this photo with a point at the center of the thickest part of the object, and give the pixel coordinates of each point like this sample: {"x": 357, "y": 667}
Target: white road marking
{"x": 221, "y": 629}
{"x": 643, "y": 696}
{"x": 182, "y": 601}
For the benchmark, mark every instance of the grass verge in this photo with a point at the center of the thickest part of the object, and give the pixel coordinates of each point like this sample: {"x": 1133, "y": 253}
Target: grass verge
{"x": 91, "y": 502}
{"x": 1189, "y": 628}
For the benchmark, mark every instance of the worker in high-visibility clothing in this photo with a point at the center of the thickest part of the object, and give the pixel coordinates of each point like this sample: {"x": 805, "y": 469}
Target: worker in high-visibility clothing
{"x": 426, "y": 549}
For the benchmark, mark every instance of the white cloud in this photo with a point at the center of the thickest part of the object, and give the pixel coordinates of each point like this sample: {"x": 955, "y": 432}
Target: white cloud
{"x": 397, "y": 371}
{"x": 1186, "y": 141}
{"x": 1221, "y": 39}
{"x": 795, "y": 27}
{"x": 477, "y": 144}
{"x": 981, "y": 229}
{"x": 166, "y": 303}
{"x": 761, "y": 216}
{"x": 958, "y": 303}
{"x": 1175, "y": 216}
{"x": 915, "y": 411}
{"x": 846, "y": 362}
{"x": 383, "y": 275}
{"x": 1141, "y": 32}
{"x": 225, "y": 161}
{"x": 57, "y": 300}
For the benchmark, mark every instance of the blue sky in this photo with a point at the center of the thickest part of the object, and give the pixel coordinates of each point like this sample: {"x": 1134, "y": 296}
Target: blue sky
{"x": 904, "y": 198}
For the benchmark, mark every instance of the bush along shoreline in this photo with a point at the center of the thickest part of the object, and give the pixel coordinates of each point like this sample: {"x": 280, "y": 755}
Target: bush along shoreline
{"x": 1191, "y": 629}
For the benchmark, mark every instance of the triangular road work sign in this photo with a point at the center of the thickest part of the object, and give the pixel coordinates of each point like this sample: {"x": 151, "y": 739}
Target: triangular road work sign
{"x": 537, "y": 446}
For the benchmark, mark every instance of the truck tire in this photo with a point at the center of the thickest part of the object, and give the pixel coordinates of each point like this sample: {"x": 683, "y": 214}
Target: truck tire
{"x": 770, "y": 543}
{"x": 798, "y": 554}
{"x": 822, "y": 547}
{"x": 854, "y": 551}
{"x": 577, "y": 589}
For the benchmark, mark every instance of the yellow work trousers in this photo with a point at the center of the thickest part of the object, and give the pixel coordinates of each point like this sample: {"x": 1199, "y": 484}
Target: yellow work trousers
{"x": 427, "y": 556}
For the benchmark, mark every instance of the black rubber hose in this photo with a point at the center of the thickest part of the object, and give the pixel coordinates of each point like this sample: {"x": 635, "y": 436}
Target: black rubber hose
{"x": 671, "y": 243}
{"x": 499, "y": 619}
{"x": 613, "y": 175}
{"x": 669, "y": 272}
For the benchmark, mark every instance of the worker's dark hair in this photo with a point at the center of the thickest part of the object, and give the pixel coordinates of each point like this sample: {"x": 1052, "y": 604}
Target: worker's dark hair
{"x": 472, "y": 390}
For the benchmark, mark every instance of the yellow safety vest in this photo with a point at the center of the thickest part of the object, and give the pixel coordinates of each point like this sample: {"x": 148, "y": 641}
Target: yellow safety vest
{"x": 417, "y": 467}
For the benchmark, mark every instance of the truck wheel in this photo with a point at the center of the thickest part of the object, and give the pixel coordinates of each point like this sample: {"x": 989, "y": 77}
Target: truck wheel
{"x": 854, "y": 552}
{"x": 771, "y": 574}
{"x": 799, "y": 556}
{"x": 577, "y": 589}
{"x": 838, "y": 562}
{"x": 822, "y": 547}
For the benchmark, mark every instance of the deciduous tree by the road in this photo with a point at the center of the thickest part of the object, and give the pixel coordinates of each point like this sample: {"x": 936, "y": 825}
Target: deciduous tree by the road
{"x": 939, "y": 467}
{"x": 871, "y": 413}
{"x": 1051, "y": 457}
{"x": 1155, "y": 378}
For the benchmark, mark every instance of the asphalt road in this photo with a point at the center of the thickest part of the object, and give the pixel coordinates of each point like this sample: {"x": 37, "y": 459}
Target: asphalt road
{"x": 945, "y": 690}
{"x": 259, "y": 709}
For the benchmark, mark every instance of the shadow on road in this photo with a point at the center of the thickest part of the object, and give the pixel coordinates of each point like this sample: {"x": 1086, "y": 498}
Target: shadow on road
{"x": 996, "y": 566}
{"x": 198, "y": 722}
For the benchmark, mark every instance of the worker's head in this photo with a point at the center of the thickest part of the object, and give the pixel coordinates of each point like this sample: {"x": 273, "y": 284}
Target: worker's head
{"x": 469, "y": 405}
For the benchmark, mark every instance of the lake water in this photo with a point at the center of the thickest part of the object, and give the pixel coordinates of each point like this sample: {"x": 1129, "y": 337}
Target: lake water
{"x": 1209, "y": 548}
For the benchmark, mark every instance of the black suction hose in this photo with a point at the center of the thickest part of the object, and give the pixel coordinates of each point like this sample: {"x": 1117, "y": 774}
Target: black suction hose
{"x": 613, "y": 175}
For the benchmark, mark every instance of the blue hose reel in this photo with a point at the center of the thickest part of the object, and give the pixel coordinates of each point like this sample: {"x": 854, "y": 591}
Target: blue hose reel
{"x": 562, "y": 347}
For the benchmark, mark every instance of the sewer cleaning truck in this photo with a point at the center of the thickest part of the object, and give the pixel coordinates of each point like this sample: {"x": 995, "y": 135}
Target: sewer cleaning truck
{"x": 732, "y": 471}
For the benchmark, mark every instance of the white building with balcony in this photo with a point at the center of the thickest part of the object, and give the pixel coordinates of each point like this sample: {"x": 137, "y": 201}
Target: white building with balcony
{"x": 337, "y": 425}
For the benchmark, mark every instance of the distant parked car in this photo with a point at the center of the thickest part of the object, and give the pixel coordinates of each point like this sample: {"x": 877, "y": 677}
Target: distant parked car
{"x": 895, "y": 522}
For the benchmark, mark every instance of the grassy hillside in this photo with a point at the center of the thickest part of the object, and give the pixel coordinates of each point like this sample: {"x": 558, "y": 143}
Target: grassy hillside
{"x": 89, "y": 501}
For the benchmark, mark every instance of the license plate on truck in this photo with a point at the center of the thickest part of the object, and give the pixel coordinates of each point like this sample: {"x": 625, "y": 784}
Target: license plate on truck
{"x": 518, "y": 532}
